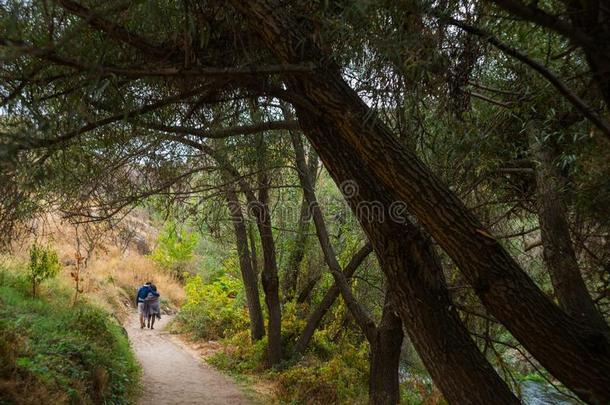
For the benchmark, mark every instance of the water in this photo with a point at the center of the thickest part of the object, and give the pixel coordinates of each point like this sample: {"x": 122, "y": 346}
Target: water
{"x": 538, "y": 393}
{"x": 532, "y": 392}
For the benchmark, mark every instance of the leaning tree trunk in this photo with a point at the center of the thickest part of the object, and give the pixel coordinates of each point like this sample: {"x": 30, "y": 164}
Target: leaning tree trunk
{"x": 577, "y": 355}
{"x": 384, "y": 385}
{"x": 314, "y": 319}
{"x": 558, "y": 251}
{"x": 455, "y": 363}
{"x": 248, "y": 273}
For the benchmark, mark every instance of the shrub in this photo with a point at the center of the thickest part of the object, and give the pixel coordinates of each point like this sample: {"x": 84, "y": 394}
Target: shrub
{"x": 211, "y": 310}
{"x": 339, "y": 375}
{"x": 341, "y": 379}
{"x": 51, "y": 352}
{"x": 43, "y": 265}
{"x": 175, "y": 249}
{"x": 241, "y": 355}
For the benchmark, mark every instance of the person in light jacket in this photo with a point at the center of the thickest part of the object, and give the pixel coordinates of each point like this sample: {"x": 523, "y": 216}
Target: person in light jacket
{"x": 152, "y": 307}
{"x": 141, "y": 295}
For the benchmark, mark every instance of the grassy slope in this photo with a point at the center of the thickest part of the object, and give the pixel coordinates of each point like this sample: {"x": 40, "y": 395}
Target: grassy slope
{"x": 52, "y": 352}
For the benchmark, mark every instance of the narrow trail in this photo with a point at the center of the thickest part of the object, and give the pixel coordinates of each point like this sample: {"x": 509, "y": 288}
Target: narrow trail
{"x": 171, "y": 374}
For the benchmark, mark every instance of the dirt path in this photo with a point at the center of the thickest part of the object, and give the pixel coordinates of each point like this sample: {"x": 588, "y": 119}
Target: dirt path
{"x": 173, "y": 375}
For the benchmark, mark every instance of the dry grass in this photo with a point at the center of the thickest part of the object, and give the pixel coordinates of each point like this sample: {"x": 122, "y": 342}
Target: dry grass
{"x": 128, "y": 272}
{"x": 112, "y": 274}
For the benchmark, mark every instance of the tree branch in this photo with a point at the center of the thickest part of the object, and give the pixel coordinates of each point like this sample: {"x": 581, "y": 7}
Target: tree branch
{"x": 576, "y": 101}
{"x": 48, "y": 53}
{"x": 225, "y": 132}
{"x": 538, "y": 16}
{"x": 116, "y": 31}
{"x": 45, "y": 143}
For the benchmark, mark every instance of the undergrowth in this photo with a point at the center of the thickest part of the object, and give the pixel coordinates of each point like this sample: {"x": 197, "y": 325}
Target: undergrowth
{"x": 54, "y": 353}
{"x": 334, "y": 370}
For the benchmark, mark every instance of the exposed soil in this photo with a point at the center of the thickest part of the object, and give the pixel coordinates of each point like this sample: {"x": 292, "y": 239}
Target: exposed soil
{"x": 174, "y": 375}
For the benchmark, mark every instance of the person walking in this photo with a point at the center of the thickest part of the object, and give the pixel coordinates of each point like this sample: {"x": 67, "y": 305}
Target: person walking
{"x": 143, "y": 292}
{"x": 152, "y": 307}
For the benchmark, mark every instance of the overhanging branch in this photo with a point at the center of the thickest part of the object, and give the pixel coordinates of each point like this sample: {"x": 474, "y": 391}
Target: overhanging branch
{"x": 225, "y": 132}
{"x": 45, "y": 143}
{"x": 576, "y": 101}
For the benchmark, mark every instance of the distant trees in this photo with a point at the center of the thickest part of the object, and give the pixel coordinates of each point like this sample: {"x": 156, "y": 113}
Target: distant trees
{"x": 175, "y": 249}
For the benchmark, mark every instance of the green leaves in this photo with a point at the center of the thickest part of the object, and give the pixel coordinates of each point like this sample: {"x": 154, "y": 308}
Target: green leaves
{"x": 59, "y": 349}
{"x": 175, "y": 249}
{"x": 43, "y": 265}
{"x": 212, "y": 310}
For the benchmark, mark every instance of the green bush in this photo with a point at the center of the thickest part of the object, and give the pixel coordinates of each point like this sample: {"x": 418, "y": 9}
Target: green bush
{"x": 51, "y": 352}
{"x": 175, "y": 250}
{"x": 341, "y": 379}
{"x": 241, "y": 355}
{"x": 331, "y": 372}
{"x": 334, "y": 369}
{"x": 211, "y": 310}
{"x": 43, "y": 265}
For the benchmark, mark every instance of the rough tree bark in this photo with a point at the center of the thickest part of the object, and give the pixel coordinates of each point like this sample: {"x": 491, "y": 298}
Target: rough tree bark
{"x": 450, "y": 355}
{"x": 577, "y": 355}
{"x": 248, "y": 273}
{"x": 558, "y": 251}
{"x": 384, "y": 386}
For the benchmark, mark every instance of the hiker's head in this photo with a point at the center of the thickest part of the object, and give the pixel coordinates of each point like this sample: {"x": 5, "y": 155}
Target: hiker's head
{"x": 148, "y": 283}
{"x": 153, "y": 287}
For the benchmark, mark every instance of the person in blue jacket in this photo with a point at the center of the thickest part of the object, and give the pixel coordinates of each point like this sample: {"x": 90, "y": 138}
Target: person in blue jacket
{"x": 140, "y": 297}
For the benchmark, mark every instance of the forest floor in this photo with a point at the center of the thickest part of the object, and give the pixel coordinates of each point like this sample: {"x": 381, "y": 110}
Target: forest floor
{"x": 172, "y": 374}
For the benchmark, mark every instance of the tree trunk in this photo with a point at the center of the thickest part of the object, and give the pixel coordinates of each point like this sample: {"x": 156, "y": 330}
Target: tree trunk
{"x": 270, "y": 279}
{"x": 297, "y": 254}
{"x": 327, "y": 301}
{"x": 248, "y": 274}
{"x": 385, "y": 356}
{"x": 455, "y": 363}
{"x": 558, "y": 251}
{"x": 358, "y": 312}
{"x": 270, "y": 282}
{"x": 304, "y": 295}
{"x": 253, "y": 254}
{"x": 300, "y": 240}
{"x": 260, "y": 209}
{"x": 575, "y": 354}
